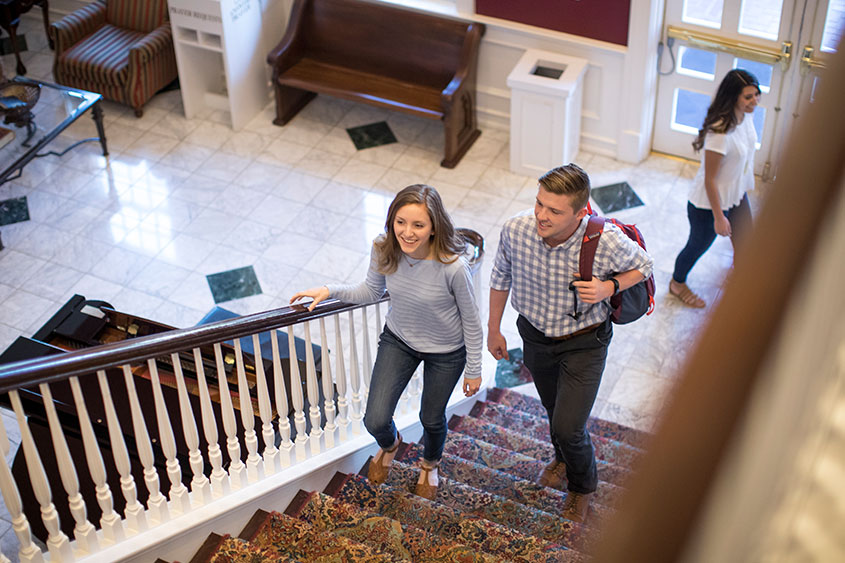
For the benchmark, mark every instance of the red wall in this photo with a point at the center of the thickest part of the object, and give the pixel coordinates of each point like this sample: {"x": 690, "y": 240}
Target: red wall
{"x": 606, "y": 20}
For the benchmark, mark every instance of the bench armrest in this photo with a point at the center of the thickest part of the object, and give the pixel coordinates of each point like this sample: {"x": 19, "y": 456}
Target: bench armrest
{"x": 468, "y": 64}
{"x": 78, "y": 24}
{"x": 287, "y": 52}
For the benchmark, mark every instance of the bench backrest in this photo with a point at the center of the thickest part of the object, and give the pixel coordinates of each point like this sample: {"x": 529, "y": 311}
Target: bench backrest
{"x": 383, "y": 39}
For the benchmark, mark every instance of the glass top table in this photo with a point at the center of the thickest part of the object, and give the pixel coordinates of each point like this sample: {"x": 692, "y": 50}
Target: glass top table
{"x": 56, "y": 109}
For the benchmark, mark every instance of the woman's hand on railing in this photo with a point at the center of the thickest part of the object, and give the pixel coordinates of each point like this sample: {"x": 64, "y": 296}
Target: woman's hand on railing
{"x": 316, "y": 293}
{"x": 471, "y": 386}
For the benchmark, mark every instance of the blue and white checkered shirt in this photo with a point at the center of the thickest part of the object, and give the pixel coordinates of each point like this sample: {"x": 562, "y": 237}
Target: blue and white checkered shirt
{"x": 538, "y": 275}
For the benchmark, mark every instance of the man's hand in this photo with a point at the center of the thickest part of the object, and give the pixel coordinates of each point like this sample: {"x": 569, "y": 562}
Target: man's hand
{"x": 471, "y": 386}
{"x": 593, "y": 291}
{"x": 497, "y": 345}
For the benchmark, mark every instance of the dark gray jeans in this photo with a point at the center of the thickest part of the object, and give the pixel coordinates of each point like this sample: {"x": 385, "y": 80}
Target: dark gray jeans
{"x": 567, "y": 374}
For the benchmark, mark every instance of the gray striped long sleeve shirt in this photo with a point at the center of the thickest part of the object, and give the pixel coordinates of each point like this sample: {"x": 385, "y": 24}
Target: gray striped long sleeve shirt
{"x": 432, "y": 306}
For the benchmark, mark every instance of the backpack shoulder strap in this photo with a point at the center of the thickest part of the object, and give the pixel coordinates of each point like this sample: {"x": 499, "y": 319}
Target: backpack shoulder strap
{"x": 595, "y": 226}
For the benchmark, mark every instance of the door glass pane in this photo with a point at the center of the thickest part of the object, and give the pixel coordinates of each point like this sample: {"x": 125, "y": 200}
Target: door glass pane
{"x": 703, "y": 12}
{"x": 697, "y": 63}
{"x": 762, "y": 71}
{"x": 760, "y": 18}
{"x": 688, "y": 110}
{"x": 759, "y": 116}
{"x": 833, "y": 24}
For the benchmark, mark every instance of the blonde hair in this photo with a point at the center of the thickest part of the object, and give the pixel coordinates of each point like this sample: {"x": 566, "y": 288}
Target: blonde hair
{"x": 445, "y": 242}
{"x": 570, "y": 180}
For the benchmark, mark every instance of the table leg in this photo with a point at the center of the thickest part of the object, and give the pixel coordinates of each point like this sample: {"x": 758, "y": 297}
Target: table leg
{"x": 97, "y": 114}
{"x": 45, "y": 13}
{"x": 13, "y": 35}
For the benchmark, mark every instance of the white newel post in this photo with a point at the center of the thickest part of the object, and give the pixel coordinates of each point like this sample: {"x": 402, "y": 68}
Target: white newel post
{"x": 136, "y": 519}
{"x": 237, "y": 469}
{"x": 179, "y": 497}
{"x": 28, "y": 552}
{"x": 282, "y": 407}
{"x": 219, "y": 483}
{"x": 84, "y": 532}
{"x": 355, "y": 380}
{"x": 313, "y": 392}
{"x": 328, "y": 387}
{"x": 265, "y": 410}
{"x": 156, "y": 502}
{"x": 200, "y": 486}
{"x": 296, "y": 398}
{"x": 340, "y": 371}
{"x": 253, "y": 460}
{"x": 110, "y": 521}
{"x": 57, "y": 541}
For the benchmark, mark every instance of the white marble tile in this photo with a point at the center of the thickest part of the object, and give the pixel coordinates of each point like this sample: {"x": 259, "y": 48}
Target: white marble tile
{"x": 246, "y": 144}
{"x": 186, "y": 251}
{"x": 5, "y": 291}
{"x": 42, "y": 205}
{"x": 300, "y": 187}
{"x": 358, "y": 234}
{"x": 293, "y": 249}
{"x": 316, "y": 223}
{"x": 213, "y": 225}
{"x": 489, "y": 208}
{"x": 304, "y": 132}
{"x": 262, "y": 176}
{"x": 325, "y": 109}
{"x": 200, "y": 190}
{"x": 276, "y": 212}
{"x": 340, "y": 197}
{"x": 187, "y": 156}
{"x": 159, "y": 279}
{"x": 305, "y": 279}
{"x": 180, "y": 212}
{"x": 65, "y": 181}
{"x": 41, "y": 241}
{"x": 384, "y": 155}
{"x": 175, "y": 126}
{"x": 210, "y": 135}
{"x": 253, "y": 237}
{"x": 152, "y": 146}
{"x": 466, "y": 173}
{"x": 152, "y": 115}
{"x": 321, "y": 163}
{"x": 53, "y": 281}
{"x": 223, "y": 166}
{"x": 237, "y": 200}
{"x": 193, "y": 293}
{"x": 360, "y": 174}
{"x": 500, "y": 182}
{"x": 393, "y": 181}
{"x": 137, "y": 303}
{"x": 486, "y": 148}
{"x": 274, "y": 276}
{"x": 420, "y": 162}
{"x": 284, "y": 153}
{"x": 16, "y": 268}
{"x": 18, "y": 310}
{"x": 150, "y": 237}
{"x": 112, "y": 226}
{"x": 338, "y": 141}
{"x": 176, "y": 315}
{"x": 80, "y": 253}
{"x": 336, "y": 259}
{"x": 120, "y": 266}
{"x": 263, "y": 123}
{"x": 224, "y": 258}
{"x": 8, "y": 335}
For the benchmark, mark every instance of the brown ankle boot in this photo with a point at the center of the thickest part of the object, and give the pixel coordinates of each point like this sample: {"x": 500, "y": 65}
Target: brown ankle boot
{"x": 553, "y": 475}
{"x": 576, "y": 506}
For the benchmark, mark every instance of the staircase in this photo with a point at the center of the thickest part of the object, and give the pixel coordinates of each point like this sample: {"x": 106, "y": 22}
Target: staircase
{"x": 488, "y": 506}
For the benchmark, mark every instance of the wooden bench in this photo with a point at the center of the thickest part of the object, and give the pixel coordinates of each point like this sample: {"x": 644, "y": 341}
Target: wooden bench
{"x": 381, "y": 55}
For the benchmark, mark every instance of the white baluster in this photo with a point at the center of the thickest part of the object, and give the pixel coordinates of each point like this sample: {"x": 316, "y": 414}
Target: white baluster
{"x": 368, "y": 357}
{"x": 354, "y": 380}
{"x": 57, "y": 541}
{"x": 219, "y": 483}
{"x": 328, "y": 387}
{"x": 282, "y": 407}
{"x": 84, "y": 532}
{"x": 253, "y": 460}
{"x": 110, "y": 521}
{"x": 136, "y": 519}
{"x": 237, "y": 469}
{"x": 340, "y": 371}
{"x": 265, "y": 410}
{"x": 200, "y": 486}
{"x": 180, "y": 500}
{"x": 28, "y": 551}
{"x": 156, "y": 502}
{"x": 313, "y": 392}
{"x": 296, "y": 398}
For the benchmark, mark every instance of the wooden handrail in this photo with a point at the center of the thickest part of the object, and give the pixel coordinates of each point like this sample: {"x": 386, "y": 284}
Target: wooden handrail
{"x": 658, "y": 515}
{"x": 59, "y": 367}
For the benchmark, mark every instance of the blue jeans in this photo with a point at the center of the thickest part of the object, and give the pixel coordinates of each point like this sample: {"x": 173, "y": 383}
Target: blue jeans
{"x": 395, "y": 364}
{"x": 567, "y": 374}
{"x": 702, "y": 235}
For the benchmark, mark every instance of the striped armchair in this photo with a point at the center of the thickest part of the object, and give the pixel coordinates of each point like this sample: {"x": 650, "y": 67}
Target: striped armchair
{"x": 122, "y": 49}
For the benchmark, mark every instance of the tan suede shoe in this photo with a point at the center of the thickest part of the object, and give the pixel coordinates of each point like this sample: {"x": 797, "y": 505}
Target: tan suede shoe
{"x": 378, "y": 472}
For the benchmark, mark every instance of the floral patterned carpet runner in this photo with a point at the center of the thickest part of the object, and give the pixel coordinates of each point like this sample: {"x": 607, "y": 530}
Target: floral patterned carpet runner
{"x": 488, "y": 506}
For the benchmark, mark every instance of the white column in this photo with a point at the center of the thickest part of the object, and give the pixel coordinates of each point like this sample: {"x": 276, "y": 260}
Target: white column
{"x": 282, "y": 408}
{"x": 354, "y": 380}
{"x": 27, "y": 552}
{"x": 265, "y": 410}
{"x": 328, "y": 387}
{"x": 84, "y": 532}
{"x": 57, "y": 541}
{"x": 253, "y": 460}
{"x": 200, "y": 486}
{"x": 296, "y": 398}
{"x": 179, "y": 498}
{"x": 110, "y": 521}
{"x": 219, "y": 482}
{"x": 237, "y": 469}
{"x": 156, "y": 502}
{"x": 340, "y": 371}
{"x": 313, "y": 392}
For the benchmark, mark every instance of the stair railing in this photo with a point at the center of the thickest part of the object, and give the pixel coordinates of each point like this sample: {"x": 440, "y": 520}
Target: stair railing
{"x": 113, "y": 367}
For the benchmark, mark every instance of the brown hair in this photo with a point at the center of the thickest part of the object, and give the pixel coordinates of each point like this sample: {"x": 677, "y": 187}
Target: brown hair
{"x": 446, "y": 244}
{"x": 570, "y": 180}
{"x": 721, "y": 116}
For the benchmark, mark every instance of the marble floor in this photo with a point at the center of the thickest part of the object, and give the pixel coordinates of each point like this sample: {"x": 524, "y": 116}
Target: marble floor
{"x": 180, "y": 199}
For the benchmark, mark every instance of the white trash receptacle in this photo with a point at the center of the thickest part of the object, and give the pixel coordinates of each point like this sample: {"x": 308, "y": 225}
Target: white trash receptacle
{"x": 546, "y": 97}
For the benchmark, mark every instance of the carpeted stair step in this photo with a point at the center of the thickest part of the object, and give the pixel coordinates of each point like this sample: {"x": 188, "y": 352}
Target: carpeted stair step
{"x": 595, "y": 426}
{"x": 226, "y": 549}
{"x": 511, "y": 487}
{"x": 296, "y": 540}
{"x": 608, "y": 451}
{"x": 478, "y": 533}
{"x": 384, "y": 534}
{"x": 550, "y": 527}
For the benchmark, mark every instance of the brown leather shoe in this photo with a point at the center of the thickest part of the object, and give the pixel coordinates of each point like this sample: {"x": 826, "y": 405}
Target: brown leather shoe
{"x": 576, "y": 506}
{"x": 424, "y": 489}
{"x": 553, "y": 475}
{"x": 377, "y": 472}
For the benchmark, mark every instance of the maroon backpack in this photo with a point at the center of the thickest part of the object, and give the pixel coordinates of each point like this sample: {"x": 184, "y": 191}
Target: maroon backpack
{"x": 632, "y": 303}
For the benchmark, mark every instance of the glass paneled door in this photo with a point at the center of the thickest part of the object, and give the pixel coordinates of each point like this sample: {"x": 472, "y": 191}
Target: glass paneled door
{"x": 710, "y": 37}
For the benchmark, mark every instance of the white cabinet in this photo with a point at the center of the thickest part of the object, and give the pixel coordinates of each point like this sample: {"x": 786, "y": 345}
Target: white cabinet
{"x": 221, "y": 51}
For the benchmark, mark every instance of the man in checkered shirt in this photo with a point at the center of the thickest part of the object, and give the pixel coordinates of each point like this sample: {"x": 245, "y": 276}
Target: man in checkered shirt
{"x": 564, "y": 323}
